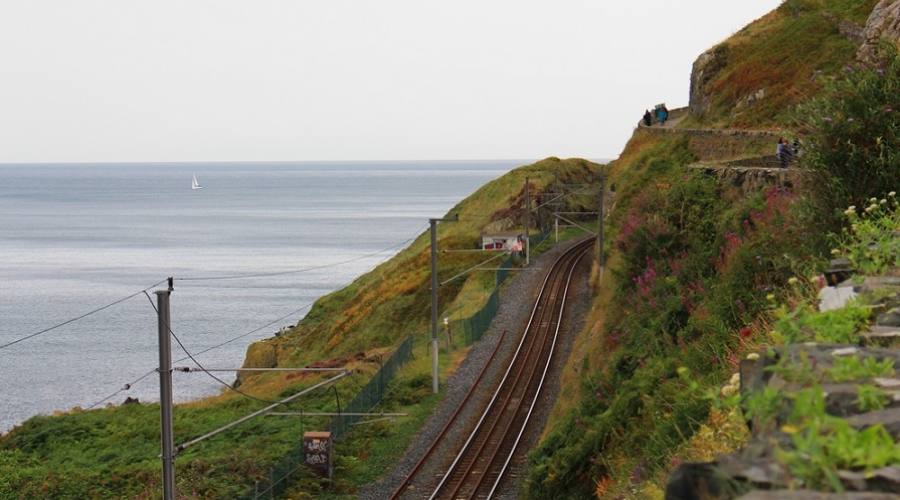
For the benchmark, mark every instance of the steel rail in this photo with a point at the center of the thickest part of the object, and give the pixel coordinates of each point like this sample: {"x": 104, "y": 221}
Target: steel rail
{"x": 434, "y": 444}
{"x": 563, "y": 267}
{"x": 525, "y": 336}
{"x": 529, "y": 365}
{"x": 558, "y": 303}
{"x": 541, "y": 384}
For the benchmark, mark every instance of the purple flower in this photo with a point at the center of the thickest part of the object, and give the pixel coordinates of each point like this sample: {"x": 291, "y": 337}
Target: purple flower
{"x": 888, "y": 110}
{"x": 880, "y": 71}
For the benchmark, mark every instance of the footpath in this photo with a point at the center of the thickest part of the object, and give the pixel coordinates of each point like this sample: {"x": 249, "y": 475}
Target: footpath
{"x": 741, "y": 158}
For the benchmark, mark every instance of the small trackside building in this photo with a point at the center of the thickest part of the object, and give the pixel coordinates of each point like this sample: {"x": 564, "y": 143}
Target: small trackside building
{"x": 509, "y": 241}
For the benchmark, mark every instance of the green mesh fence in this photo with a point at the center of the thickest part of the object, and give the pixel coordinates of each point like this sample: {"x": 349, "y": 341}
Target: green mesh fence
{"x": 369, "y": 396}
{"x": 472, "y": 328}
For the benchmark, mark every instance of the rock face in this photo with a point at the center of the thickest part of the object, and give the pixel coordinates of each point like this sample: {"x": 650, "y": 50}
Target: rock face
{"x": 705, "y": 68}
{"x": 883, "y": 24}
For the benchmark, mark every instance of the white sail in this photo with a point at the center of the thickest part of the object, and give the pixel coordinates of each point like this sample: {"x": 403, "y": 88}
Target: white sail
{"x": 195, "y": 184}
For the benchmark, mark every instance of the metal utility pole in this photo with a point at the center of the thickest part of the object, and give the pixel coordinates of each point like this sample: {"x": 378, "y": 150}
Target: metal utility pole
{"x": 434, "y": 301}
{"x": 165, "y": 394}
{"x": 525, "y": 222}
{"x": 600, "y": 256}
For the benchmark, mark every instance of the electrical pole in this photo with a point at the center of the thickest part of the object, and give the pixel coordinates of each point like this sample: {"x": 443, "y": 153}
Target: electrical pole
{"x": 165, "y": 393}
{"x": 600, "y": 257}
{"x": 434, "y": 301}
{"x": 527, "y": 216}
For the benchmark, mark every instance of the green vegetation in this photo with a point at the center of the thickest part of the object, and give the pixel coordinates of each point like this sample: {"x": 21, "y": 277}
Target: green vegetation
{"x": 871, "y": 398}
{"x": 695, "y": 265}
{"x": 870, "y": 242}
{"x": 847, "y": 368}
{"x": 804, "y": 323}
{"x": 824, "y": 444}
{"x": 852, "y": 138}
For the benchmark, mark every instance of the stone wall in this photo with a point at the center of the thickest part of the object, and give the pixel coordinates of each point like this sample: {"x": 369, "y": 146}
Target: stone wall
{"x": 720, "y": 145}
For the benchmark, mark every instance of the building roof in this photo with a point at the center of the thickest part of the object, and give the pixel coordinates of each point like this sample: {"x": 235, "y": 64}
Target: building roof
{"x": 502, "y": 234}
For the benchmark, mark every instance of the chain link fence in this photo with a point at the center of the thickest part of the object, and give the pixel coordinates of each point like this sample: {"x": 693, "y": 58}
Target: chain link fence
{"x": 371, "y": 394}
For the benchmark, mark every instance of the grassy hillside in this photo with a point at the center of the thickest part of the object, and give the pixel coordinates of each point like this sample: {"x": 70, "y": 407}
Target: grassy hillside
{"x": 787, "y": 54}
{"x": 696, "y": 266}
{"x": 112, "y": 452}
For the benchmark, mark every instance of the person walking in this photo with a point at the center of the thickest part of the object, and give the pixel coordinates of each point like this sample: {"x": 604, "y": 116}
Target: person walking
{"x": 664, "y": 111}
{"x": 648, "y": 118}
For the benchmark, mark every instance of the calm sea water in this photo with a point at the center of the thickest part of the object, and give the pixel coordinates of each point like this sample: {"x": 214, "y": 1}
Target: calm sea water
{"x": 74, "y": 237}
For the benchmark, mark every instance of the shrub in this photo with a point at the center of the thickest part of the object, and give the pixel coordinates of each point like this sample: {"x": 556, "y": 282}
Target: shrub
{"x": 853, "y": 141}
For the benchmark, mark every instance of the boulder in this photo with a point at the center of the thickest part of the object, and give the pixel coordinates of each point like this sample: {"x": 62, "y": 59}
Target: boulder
{"x": 883, "y": 24}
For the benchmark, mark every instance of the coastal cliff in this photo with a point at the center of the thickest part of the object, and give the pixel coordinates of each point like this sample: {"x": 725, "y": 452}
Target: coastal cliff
{"x": 712, "y": 242}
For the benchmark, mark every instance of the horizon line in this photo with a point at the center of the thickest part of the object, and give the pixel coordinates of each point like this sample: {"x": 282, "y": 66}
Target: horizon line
{"x": 181, "y": 162}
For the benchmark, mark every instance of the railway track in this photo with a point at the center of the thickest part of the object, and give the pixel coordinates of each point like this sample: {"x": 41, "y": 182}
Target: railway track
{"x": 480, "y": 464}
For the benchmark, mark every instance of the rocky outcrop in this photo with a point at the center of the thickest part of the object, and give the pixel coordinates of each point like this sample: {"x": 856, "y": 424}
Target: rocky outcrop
{"x": 883, "y": 24}
{"x": 705, "y": 69}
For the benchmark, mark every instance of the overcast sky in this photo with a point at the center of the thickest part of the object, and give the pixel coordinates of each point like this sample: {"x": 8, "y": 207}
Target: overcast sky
{"x": 195, "y": 80}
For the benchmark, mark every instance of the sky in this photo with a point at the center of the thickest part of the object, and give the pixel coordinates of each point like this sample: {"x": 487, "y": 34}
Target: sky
{"x": 310, "y": 80}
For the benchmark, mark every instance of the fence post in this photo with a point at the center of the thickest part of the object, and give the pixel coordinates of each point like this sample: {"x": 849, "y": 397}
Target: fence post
{"x": 380, "y": 376}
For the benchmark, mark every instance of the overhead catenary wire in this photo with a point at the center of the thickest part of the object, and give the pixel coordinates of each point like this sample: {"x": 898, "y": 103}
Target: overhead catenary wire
{"x": 304, "y": 269}
{"x": 77, "y": 318}
{"x": 131, "y": 384}
{"x": 204, "y": 370}
{"x": 139, "y": 379}
{"x": 473, "y": 268}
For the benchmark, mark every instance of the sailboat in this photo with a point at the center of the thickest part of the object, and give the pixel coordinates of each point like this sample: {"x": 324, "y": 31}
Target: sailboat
{"x": 195, "y": 184}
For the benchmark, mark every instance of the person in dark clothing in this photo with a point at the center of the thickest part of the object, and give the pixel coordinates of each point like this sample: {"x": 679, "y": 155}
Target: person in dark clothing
{"x": 648, "y": 118}
{"x": 783, "y": 152}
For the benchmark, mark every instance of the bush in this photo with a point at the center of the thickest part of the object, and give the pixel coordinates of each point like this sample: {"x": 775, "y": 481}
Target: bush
{"x": 853, "y": 141}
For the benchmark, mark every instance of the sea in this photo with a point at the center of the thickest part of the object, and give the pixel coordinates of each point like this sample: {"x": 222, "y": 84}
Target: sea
{"x": 249, "y": 252}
